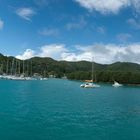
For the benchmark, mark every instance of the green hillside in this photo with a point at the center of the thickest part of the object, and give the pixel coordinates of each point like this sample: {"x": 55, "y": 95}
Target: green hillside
{"x": 122, "y": 72}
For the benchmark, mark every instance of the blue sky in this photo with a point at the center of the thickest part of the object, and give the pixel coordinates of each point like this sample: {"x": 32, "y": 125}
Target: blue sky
{"x": 71, "y": 29}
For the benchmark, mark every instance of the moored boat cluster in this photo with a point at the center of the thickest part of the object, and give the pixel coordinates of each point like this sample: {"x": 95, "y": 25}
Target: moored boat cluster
{"x": 13, "y": 72}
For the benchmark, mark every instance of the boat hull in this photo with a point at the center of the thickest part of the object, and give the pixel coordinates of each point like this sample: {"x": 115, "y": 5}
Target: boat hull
{"x": 89, "y": 85}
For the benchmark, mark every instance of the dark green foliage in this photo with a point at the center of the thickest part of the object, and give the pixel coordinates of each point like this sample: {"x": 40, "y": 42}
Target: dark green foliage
{"x": 122, "y": 72}
{"x": 80, "y": 75}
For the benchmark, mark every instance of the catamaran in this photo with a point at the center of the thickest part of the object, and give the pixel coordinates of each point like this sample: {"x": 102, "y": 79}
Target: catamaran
{"x": 116, "y": 84}
{"x": 90, "y": 84}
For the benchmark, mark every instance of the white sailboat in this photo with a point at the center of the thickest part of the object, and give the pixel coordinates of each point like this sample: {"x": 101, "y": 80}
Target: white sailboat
{"x": 116, "y": 84}
{"x": 90, "y": 84}
{"x": 15, "y": 72}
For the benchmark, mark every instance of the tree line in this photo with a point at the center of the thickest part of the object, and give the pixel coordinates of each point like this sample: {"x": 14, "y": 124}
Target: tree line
{"x": 125, "y": 72}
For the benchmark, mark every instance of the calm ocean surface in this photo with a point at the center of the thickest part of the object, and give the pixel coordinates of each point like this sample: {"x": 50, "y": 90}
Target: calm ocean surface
{"x": 61, "y": 110}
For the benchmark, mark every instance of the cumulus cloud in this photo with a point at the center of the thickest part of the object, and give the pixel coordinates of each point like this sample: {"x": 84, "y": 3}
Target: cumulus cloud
{"x": 109, "y": 6}
{"x": 106, "y": 54}
{"x": 136, "y": 4}
{"x": 25, "y": 13}
{"x": 26, "y": 55}
{"x": 102, "y": 53}
{"x": 1, "y": 24}
{"x": 53, "y": 50}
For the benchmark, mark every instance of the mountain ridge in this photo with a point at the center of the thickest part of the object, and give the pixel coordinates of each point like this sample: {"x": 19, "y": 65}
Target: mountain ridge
{"x": 124, "y": 72}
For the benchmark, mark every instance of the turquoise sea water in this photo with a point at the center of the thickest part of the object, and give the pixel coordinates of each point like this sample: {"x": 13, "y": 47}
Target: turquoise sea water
{"x": 61, "y": 110}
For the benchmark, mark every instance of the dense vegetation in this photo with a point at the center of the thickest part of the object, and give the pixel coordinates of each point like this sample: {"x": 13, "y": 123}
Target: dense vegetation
{"x": 122, "y": 72}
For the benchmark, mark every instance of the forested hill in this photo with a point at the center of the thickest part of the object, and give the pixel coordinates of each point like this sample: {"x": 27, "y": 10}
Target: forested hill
{"x": 123, "y": 72}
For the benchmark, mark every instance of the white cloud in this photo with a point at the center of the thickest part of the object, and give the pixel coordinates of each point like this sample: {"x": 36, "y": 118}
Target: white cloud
{"x": 110, "y": 53}
{"x": 109, "y": 6}
{"x": 25, "y": 13}
{"x": 136, "y": 4}
{"x": 104, "y": 6}
{"x": 106, "y": 54}
{"x": 102, "y": 53}
{"x": 49, "y": 32}
{"x": 124, "y": 37}
{"x": 1, "y": 24}
{"x": 26, "y": 55}
{"x": 53, "y": 50}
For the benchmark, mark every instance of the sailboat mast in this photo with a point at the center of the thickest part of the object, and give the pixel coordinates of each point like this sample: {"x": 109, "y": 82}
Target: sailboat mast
{"x": 19, "y": 68}
{"x": 12, "y": 66}
{"x": 23, "y": 66}
{"x": 92, "y": 68}
{"x": 27, "y": 68}
{"x": 31, "y": 68}
{"x": 16, "y": 67}
{"x": 7, "y": 66}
